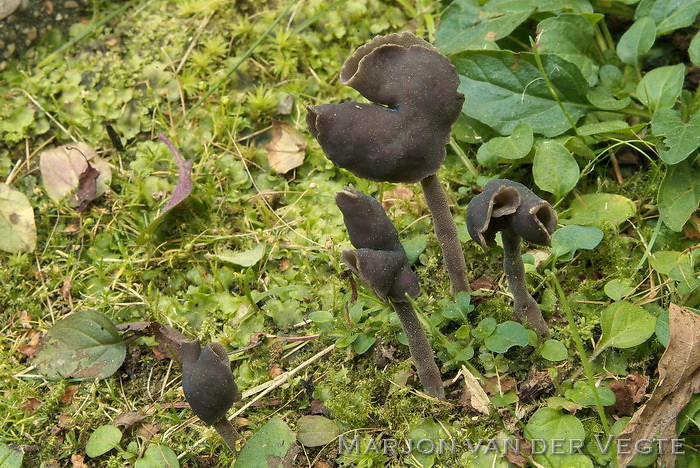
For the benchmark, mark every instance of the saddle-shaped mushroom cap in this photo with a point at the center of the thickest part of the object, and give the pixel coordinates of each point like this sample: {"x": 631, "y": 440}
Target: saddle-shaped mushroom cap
{"x": 401, "y": 135}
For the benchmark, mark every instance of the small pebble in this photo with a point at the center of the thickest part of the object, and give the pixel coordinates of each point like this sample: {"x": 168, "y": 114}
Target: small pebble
{"x": 71, "y": 4}
{"x": 48, "y": 7}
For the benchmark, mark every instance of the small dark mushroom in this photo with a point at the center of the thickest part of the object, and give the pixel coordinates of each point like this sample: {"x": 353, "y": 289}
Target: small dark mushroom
{"x": 380, "y": 261}
{"x": 402, "y": 137}
{"x": 209, "y": 387}
{"x": 515, "y": 211}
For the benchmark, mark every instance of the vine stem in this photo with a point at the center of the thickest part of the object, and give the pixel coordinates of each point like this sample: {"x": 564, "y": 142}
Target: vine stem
{"x": 446, "y": 232}
{"x": 421, "y": 352}
{"x": 584, "y": 361}
{"x": 525, "y": 308}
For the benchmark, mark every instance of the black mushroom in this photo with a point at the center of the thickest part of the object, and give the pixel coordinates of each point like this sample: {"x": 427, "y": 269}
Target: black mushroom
{"x": 401, "y": 135}
{"x": 380, "y": 261}
{"x": 515, "y": 211}
{"x": 209, "y": 387}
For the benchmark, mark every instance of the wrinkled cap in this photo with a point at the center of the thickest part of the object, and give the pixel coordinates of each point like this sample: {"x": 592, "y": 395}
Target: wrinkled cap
{"x": 207, "y": 380}
{"x": 380, "y": 260}
{"x": 503, "y": 204}
{"x": 401, "y": 135}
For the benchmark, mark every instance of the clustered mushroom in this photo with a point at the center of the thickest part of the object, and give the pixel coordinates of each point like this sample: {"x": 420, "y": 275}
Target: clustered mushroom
{"x": 401, "y": 135}
{"x": 209, "y": 387}
{"x": 517, "y": 213}
{"x": 380, "y": 262}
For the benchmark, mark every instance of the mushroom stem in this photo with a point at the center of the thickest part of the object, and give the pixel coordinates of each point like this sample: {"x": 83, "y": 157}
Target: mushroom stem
{"x": 525, "y": 308}
{"x": 228, "y": 433}
{"x": 446, "y": 232}
{"x": 420, "y": 350}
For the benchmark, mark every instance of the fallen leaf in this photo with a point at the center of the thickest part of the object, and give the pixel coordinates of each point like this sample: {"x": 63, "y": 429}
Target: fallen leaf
{"x": 30, "y": 404}
{"x": 316, "y": 431}
{"x": 679, "y": 379}
{"x": 287, "y": 148}
{"x": 78, "y": 461}
{"x": 17, "y": 228}
{"x": 74, "y": 170}
{"x": 67, "y": 396}
{"x": 128, "y": 419}
{"x": 183, "y": 189}
{"x": 169, "y": 339}
{"x": 25, "y": 319}
{"x": 538, "y": 383}
{"x": 146, "y": 431}
{"x": 498, "y": 386}
{"x": 30, "y": 349}
{"x": 473, "y": 396}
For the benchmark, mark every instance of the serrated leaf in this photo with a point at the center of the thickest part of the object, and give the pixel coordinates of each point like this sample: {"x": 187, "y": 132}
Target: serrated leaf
{"x": 596, "y": 209}
{"x": 268, "y": 447}
{"x": 17, "y": 227}
{"x": 555, "y": 169}
{"x": 566, "y": 240}
{"x": 102, "y": 440}
{"x": 466, "y": 24}
{"x": 625, "y": 325}
{"x": 515, "y": 146}
{"x": 570, "y": 37}
{"x": 316, "y": 431}
{"x": 83, "y": 345}
{"x": 506, "y": 89}
{"x": 660, "y": 87}
{"x": 679, "y": 195}
{"x": 637, "y": 40}
{"x": 158, "y": 456}
{"x": 246, "y": 258}
{"x": 682, "y": 139}
{"x": 507, "y": 335}
{"x": 669, "y": 15}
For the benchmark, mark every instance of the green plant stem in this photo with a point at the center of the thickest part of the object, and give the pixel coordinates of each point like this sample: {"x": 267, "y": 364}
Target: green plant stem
{"x": 228, "y": 433}
{"x": 525, "y": 308}
{"x": 446, "y": 232}
{"x": 463, "y": 156}
{"x": 584, "y": 360}
{"x": 421, "y": 352}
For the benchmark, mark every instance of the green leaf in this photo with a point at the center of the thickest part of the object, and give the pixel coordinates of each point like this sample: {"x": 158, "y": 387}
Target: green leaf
{"x": 664, "y": 261}
{"x": 660, "y": 88}
{"x": 694, "y": 50}
{"x": 10, "y": 457}
{"x": 268, "y": 447}
{"x": 554, "y": 168}
{"x": 485, "y": 328}
{"x": 567, "y": 239}
{"x": 682, "y": 139}
{"x": 466, "y": 25}
{"x": 605, "y": 127}
{"x": 158, "y": 456}
{"x": 596, "y": 209}
{"x": 104, "y": 439}
{"x": 637, "y": 40}
{"x": 414, "y": 247}
{"x": 362, "y": 343}
{"x": 553, "y": 350}
{"x": 669, "y": 15}
{"x": 83, "y": 345}
{"x": 679, "y": 195}
{"x": 506, "y": 89}
{"x": 246, "y": 258}
{"x": 571, "y": 37}
{"x": 625, "y": 325}
{"x": 549, "y": 423}
{"x": 515, "y": 146}
{"x": 582, "y": 395}
{"x": 316, "y": 431}
{"x": 602, "y": 98}
{"x": 617, "y": 289}
{"x": 17, "y": 228}
{"x": 663, "y": 330}
{"x": 507, "y": 335}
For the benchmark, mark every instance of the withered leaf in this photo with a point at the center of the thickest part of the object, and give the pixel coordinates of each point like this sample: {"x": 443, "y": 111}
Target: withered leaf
{"x": 128, "y": 419}
{"x": 473, "y": 396}
{"x": 167, "y": 337}
{"x": 679, "y": 379}
{"x": 74, "y": 170}
{"x": 287, "y": 148}
{"x": 183, "y": 189}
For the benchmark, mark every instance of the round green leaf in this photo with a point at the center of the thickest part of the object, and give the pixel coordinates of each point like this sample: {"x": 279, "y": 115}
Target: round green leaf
{"x": 617, "y": 289}
{"x": 485, "y": 328}
{"x": 158, "y": 456}
{"x": 362, "y": 343}
{"x": 660, "y": 88}
{"x": 316, "y": 431}
{"x": 104, "y": 439}
{"x": 663, "y": 330}
{"x": 246, "y": 258}
{"x": 414, "y": 247}
{"x": 553, "y": 350}
{"x": 17, "y": 228}
{"x": 679, "y": 195}
{"x": 596, "y": 209}
{"x": 694, "y": 50}
{"x": 569, "y": 238}
{"x": 637, "y": 40}
{"x": 549, "y": 423}
{"x": 515, "y": 146}
{"x": 555, "y": 169}
{"x": 83, "y": 345}
{"x": 625, "y": 325}
{"x": 507, "y": 335}
{"x": 582, "y": 395}
{"x": 268, "y": 447}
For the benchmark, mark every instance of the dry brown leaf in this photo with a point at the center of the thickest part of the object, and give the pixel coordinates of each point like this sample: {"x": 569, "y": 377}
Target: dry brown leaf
{"x": 679, "y": 379}
{"x": 74, "y": 170}
{"x": 30, "y": 404}
{"x": 287, "y": 148}
{"x": 473, "y": 395}
{"x": 78, "y": 461}
{"x": 67, "y": 396}
{"x": 128, "y": 419}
